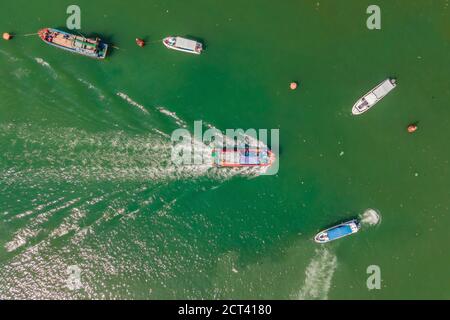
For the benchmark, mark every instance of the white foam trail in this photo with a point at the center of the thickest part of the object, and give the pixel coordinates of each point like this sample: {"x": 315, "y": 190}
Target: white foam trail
{"x": 42, "y": 62}
{"x": 132, "y": 102}
{"x": 250, "y": 140}
{"x": 70, "y": 223}
{"x": 172, "y": 115}
{"x": 318, "y": 276}
{"x": 45, "y": 64}
{"x": 21, "y": 73}
{"x": 32, "y": 230}
{"x": 90, "y": 86}
{"x": 77, "y": 156}
{"x": 163, "y": 134}
{"x": 9, "y": 56}
{"x": 370, "y": 217}
{"x": 36, "y": 209}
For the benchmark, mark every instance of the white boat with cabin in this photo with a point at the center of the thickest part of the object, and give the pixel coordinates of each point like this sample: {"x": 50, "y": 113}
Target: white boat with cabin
{"x": 374, "y": 96}
{"x": 183, "y": 44}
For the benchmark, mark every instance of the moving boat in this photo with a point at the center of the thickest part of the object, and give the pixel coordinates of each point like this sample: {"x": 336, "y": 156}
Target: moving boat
{"x": 93, "y": 48}
{"x": 374, "y": 96}
{"x": 242, "y": 157}
{"x": 339, "y": 231}
{"x": 183, "y": 44}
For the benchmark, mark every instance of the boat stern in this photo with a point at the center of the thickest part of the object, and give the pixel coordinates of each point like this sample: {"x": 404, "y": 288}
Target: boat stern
{"x": 199, "y": 48}
{"x": 103, "y": 50}
{"x": 272, "y": 157}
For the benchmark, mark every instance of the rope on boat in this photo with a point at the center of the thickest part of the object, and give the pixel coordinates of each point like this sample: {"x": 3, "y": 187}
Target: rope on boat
{"x": 155, "y": 41}
{"x": 27, "y": 35}
{"x": 80, "y": 34}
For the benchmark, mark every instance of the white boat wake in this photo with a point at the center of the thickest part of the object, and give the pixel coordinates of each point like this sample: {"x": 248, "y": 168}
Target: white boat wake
{"x": 370, "y": 217}
{"x": 46, "y": 65}
{"x": 130, "y": 101}
{"x": 69, "y": 154}
{"x": 318, "y": 276}
{"x": 172, "y": 115}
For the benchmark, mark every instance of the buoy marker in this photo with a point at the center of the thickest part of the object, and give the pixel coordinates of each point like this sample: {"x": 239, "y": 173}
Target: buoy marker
{"x": 412, "y": 128}
{"x": 7, "y": 36}
{"x": 140, "y": 42}
{"x": 294, "y": 85}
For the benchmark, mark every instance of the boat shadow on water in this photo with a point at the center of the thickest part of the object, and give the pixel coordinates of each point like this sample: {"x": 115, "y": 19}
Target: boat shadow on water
{"x": 108, "y": 39}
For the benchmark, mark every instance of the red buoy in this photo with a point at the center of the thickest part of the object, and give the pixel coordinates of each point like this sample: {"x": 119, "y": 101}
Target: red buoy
{"x": 294, "y": 85}
{"x": 140, "y": 42}
{"x": 412, "y": 128}
{"x": 7, "y": 36}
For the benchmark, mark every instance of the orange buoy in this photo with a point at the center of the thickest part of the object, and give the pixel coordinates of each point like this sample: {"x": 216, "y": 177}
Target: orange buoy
{"x": 412, "y": 128}
{"x": 294, "y": 85}
{"x": 140, "y": 42}
{"x": 7, "y": 36}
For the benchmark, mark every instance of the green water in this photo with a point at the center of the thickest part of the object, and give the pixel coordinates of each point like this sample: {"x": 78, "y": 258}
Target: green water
{"x": 86, "y": 177}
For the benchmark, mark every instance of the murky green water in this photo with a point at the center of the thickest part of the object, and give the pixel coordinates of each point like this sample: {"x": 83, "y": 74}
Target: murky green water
{"x": 85, "y": 172}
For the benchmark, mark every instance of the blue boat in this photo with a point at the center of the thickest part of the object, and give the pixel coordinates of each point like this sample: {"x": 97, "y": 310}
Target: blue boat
{"x": 93, "y": 48}
{"x": 338, "y": 232}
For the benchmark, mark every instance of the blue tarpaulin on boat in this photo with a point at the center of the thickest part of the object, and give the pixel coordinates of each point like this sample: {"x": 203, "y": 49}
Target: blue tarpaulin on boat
{"x": 339, "y": 232}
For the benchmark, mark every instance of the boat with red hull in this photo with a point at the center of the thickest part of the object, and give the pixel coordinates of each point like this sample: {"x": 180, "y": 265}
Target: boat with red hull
{"x": 93, "y": 48}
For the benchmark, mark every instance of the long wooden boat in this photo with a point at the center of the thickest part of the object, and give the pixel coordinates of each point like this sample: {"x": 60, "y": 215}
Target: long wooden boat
{"x": 93, "y": 48}
{"x": 243, "y": 157}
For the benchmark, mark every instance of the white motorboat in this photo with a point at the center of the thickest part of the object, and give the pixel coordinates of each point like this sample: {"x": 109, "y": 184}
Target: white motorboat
{"x": 374, "y": 96}
{"x": 183, "y": 44}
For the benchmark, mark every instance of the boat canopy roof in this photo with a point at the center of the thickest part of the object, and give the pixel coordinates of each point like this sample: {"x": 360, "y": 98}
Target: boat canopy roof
{"x": 383, "y": 89}
{"x": 371, "y": 98}
{"x": 185, "y": 43}
{"x": 339, "y": 232}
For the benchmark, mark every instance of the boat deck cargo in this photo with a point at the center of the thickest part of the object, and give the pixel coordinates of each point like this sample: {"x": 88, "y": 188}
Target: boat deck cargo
{"x": 243, "y": 157}
{"x": 374, "y": 96}
{"x": 93, "y": 48}
{"x": 183, "y": 44}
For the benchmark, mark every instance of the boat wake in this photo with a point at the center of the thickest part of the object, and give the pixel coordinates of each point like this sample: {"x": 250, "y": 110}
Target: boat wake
{"x": 132, "y": 102}
{"x": 370, "y": 217}
{"x": 172, "y": 115}
{"x": 42, "y": 62}
{"x": 9, "y": 56}
{"x": 319, "y": 276}
{"x": 90, "y": 86}
{"x": 46, "y": 65}
{"x": 68, "y": 154}
{"x": 55, "y": 165}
